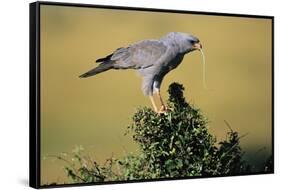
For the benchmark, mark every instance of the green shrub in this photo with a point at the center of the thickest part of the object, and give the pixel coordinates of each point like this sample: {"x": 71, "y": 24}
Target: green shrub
{"x": 173, "y": 144}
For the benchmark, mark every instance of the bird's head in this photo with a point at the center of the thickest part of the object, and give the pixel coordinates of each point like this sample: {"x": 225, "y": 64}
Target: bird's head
{"x": 185, "y": 42}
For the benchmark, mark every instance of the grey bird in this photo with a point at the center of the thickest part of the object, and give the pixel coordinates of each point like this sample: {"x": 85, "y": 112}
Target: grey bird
{"x": 152, "y": 59}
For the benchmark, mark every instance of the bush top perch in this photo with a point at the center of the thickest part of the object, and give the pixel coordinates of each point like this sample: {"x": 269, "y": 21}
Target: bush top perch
{"x": 152, "y": 59}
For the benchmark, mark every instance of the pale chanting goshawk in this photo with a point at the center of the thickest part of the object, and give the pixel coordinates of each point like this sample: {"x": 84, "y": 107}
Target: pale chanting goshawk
{"x": 152, "y": 59}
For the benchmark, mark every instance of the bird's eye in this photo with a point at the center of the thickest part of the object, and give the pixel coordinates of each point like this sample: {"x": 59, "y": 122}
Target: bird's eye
{"x": 194, "y": 41}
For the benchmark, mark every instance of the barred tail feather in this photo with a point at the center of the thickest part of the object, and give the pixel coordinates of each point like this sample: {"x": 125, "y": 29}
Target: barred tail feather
{"x": 99, "y": 69}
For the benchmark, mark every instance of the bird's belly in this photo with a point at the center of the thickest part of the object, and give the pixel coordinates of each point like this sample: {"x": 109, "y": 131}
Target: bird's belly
{"x": 160, "y": 70}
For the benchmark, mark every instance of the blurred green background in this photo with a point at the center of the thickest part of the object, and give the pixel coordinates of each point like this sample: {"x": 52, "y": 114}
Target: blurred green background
{"x": 95, "y": 112}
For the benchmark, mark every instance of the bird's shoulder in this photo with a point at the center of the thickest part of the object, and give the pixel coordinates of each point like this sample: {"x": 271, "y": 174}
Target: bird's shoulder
{"x": 148, "y": 44}
{"x": 148, "y": 50}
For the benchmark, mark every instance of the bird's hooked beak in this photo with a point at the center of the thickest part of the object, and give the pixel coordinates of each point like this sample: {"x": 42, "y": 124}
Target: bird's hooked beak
{"x": 197, "y": 46}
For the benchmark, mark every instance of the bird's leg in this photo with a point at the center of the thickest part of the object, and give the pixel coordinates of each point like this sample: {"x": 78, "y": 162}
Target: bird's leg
{"x": 163, "y": 107}
{"x": 153, "y": 104}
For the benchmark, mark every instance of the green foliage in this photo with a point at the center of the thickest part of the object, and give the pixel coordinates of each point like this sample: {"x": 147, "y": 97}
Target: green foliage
{"x": 172, "y": 144}
{"x": 178, "y": 144}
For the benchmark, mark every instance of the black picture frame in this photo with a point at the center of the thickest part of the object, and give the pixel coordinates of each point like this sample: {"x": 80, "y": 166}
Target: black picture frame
{"x": 34, "y": 82}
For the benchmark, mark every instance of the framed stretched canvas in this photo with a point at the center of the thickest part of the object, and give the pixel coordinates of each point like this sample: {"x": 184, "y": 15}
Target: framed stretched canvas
{"x": 121, "y": 94}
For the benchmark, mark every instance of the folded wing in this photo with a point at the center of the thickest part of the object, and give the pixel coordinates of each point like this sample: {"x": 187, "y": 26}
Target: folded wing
{"x": 137, "y": 56}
